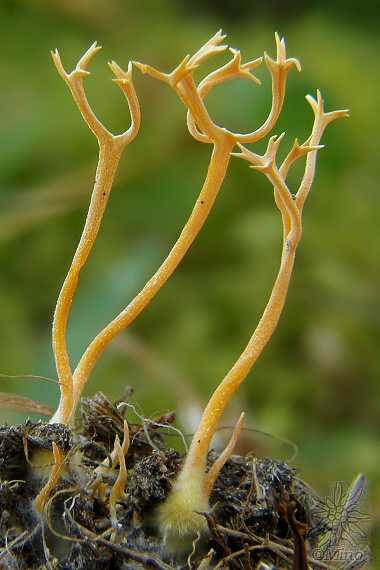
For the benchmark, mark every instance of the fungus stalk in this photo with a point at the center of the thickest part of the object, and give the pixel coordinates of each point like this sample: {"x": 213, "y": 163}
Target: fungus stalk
{"x": 203, "y": 129}
{"x": 179, "y": 519}
{"x": 110, "y": 150}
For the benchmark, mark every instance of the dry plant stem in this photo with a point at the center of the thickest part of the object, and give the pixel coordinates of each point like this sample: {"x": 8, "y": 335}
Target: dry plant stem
{"x": 110, "y": 149}
{"x": 117, "y": 493}
{"x": 112, "y": 461}
{"x": 42, "y": 497}
{"x": 182, "y": 81}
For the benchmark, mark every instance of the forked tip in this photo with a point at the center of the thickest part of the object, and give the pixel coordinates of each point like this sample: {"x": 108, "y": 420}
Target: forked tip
{"x": 220, "y": 36}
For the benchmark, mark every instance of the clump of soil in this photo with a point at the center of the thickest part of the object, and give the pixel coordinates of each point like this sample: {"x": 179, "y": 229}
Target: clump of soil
{"x": 261, "y": 511}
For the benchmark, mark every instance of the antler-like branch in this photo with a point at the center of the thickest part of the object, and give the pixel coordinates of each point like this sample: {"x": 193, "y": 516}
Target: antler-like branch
{"x": 321, "y": 120}
{"x": 110, "y": 149}
{"x": 232, "y": 70}
{"x": 278, "y": 69}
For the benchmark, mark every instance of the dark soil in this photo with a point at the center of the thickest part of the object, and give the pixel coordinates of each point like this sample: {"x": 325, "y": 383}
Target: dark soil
{"x": 260, "y": 518}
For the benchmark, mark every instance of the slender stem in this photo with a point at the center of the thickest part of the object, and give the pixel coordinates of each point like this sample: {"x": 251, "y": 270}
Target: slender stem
{"x": 197, "y": 454}
{"x": 109, "y": 156}
{"x": 215, "y": 176}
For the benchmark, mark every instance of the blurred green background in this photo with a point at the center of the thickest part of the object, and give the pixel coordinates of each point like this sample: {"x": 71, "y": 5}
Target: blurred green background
{"x": 317, "y": 383}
